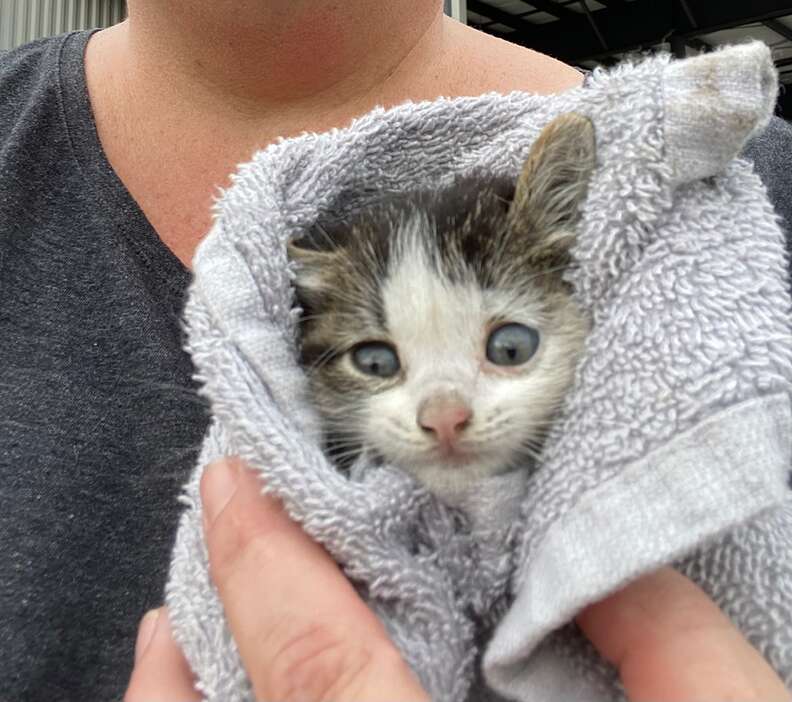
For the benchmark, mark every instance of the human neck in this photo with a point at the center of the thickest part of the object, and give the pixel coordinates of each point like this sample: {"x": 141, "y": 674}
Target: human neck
{"x": 181, "y": 97}
{"x": 263, "y": 56}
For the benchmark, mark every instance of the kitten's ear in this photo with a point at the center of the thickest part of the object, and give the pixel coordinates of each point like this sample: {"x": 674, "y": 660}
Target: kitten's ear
{"x": 554, "y": 182}
{"x": 314, "y": 269}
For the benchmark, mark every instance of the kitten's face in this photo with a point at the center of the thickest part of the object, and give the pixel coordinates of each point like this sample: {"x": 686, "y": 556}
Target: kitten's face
{"x": 437, "y": 330}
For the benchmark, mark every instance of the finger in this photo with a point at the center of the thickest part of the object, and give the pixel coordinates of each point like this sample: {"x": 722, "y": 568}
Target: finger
{"x": 161, "y": 674}
{"x": 670, "y": 642}
{"x": 301, "y": 629}
{"x": 146, "y": 631}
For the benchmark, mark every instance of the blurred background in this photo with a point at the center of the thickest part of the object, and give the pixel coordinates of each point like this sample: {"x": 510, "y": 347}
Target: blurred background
{"x": 588, "y": 33}
{"x": 585, "y": 33}
{"x": 22, "y": 21}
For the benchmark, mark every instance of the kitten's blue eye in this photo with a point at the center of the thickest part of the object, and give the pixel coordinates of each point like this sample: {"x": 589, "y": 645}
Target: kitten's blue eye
{"x": 376, "y": 358}
{"x": 512, "y": 344}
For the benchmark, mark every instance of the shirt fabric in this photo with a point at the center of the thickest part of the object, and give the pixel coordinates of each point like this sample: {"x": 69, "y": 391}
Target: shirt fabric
{"x": 100, "y": 423}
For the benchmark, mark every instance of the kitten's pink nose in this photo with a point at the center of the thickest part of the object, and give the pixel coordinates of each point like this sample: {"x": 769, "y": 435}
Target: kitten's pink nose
{"x": 445, "y": 416}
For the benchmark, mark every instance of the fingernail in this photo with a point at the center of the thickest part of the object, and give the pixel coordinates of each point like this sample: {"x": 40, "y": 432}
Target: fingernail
{"x": 219, "y": 484}
{"x": 146, "y": 632}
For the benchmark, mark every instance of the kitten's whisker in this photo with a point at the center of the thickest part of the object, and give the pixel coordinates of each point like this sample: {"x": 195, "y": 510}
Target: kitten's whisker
{"x": 325, "y": 235}
{"x": 363, "y": 300}
{"x": 341, "y": 456}
{"x": 342, "y": 442}
{"x": 529, "y": 452}
{"x": 337, "y": 427}
{"x": 325, "y": 357}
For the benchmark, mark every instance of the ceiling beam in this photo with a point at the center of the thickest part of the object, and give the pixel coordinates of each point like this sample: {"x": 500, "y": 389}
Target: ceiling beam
{"x": 553, "y": 8}
{"x": 725, "y": 14}
{"x": 593, "y": 24}
{"x": 527, "y": 29}
{"x": 698, "y": 44}
{"x": 779, "y": 28}
{"x": 633, "y": 25}
{"x": 688, "y": 13}
{"x": 678, "y": 46}
{"x": 626, "y": 26}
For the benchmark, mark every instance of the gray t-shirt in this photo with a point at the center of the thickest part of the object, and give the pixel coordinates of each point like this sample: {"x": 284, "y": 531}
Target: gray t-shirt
{"x": 99, "y": 420}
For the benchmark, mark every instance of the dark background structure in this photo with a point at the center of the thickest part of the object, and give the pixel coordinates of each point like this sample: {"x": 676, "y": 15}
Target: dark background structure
{"x": 592, "y": 32}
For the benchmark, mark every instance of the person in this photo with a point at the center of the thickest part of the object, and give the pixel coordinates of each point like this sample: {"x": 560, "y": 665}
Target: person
{"x": 113, "y": 146}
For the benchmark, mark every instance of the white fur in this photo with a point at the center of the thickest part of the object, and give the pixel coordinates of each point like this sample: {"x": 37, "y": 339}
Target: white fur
{"x": 440, "y": 329}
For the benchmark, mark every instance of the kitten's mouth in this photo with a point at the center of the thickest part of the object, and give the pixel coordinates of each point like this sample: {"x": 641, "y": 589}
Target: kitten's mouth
{"x": 453, "y": 456}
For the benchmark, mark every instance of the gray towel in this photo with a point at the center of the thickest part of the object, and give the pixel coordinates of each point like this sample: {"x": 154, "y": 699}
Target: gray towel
{"x": 673, "y": 445}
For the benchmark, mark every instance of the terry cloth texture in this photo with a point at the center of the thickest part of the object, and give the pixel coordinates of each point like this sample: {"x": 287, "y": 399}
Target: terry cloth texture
{"x": 673, "y": 445}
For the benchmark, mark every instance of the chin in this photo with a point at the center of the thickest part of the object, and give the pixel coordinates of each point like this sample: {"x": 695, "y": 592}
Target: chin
{"x": 452, "y": 478}
{"x": 450, "y": 475}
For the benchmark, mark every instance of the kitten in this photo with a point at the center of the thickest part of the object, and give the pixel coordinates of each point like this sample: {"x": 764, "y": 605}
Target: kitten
{"x": 437, "y": 330}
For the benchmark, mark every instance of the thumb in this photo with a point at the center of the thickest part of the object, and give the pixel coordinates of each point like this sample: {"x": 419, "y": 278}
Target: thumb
{"x": 302, "y": 631}
{"x": 670, "y": 642}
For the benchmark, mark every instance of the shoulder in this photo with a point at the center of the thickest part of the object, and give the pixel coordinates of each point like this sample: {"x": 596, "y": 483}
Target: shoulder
{"x": 771, "y": 153}
{"x": 30, "y": 54}
{"x": 771, "y": 149}
{"x": 29, "y": 77}
{"x": 476, "y": 63}
{"x": 26, "y": 65}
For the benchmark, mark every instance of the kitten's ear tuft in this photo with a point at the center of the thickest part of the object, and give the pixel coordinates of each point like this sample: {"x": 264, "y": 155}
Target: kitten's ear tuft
{"x": 314, "y": 269}
{"x": 554, "y": 182}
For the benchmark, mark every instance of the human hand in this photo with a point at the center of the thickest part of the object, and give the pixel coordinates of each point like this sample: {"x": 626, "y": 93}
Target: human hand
{"x": 670, "y": 642}
{"x": 303, "y": 633}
